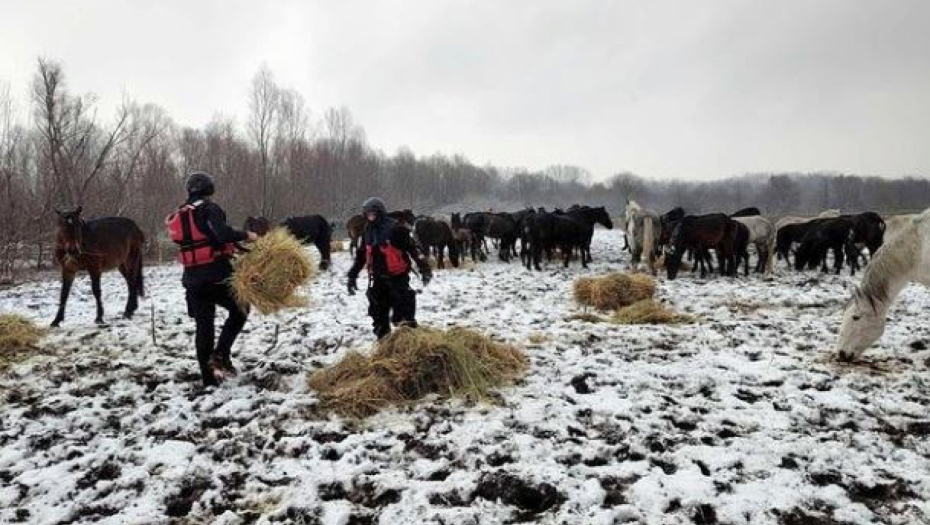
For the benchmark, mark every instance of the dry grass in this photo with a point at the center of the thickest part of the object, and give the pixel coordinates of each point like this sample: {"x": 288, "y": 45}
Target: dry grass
{"x": 613, "y": 290}
{"x": 649, "y": 311}
{"x": 19, "y": 339}
{"x": 414, "y": 362}
{"x": 267, "y": 277}
{"x": 586, "y": 317}
{"x": 337, "y": 245}
{"x": 538, "y": 338}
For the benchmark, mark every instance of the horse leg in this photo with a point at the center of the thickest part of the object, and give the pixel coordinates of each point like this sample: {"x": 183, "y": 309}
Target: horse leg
{"x": 440, "y": 254}
{"x": 67, "y": 279}
{"x": 132, "y": 302}
{"x": 323, "y": 245}
{"x": 95, "y": 287}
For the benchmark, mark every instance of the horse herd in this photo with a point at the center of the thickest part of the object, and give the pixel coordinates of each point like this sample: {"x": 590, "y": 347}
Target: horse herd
{"x": 110, "y": 243}
{"x": 664, "y": 240}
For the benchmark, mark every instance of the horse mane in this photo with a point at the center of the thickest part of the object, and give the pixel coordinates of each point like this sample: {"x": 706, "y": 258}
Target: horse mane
{"x": 897, "y": 257}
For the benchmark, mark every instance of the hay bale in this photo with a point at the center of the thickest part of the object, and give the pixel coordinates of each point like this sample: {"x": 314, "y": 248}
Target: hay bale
{"x": 650, "y": 311}
{"x": 267, "y": 277}
{"x": 337, "y": 245}
{"x": 613, "y": 290}
{"x": 414, "y": 362}
{"x": 19, "y": 338}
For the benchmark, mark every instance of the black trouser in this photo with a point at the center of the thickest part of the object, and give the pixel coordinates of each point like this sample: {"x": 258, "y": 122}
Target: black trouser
{"x": 391, "y": 293}
{"x": 201, "y": 305}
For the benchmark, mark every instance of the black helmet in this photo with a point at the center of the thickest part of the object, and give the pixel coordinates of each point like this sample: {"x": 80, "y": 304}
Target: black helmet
{"x": 199, "y": 182}
{"x": 374, "y": 204}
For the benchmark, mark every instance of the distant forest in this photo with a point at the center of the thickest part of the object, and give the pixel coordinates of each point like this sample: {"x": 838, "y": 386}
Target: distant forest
{"x": 57, "y": 151}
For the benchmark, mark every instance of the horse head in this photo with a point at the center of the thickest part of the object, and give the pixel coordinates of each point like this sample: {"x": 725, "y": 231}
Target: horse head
{"x": 863, "y": 323}
{"x": 601, "y": 216}
{"x": 70, "y": 230}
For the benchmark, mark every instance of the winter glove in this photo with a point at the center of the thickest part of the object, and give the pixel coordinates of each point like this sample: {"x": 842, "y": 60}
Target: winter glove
{"x": 426, "y": 277}
{"x": 353, "y": 285}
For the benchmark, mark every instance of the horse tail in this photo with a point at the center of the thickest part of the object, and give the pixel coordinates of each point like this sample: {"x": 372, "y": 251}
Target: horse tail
{"x": 649, "y": 242}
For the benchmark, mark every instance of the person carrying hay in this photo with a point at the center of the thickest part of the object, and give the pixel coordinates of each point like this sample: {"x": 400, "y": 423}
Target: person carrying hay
{"x": 207, "y": 244}
{"x": 389, "y": 250}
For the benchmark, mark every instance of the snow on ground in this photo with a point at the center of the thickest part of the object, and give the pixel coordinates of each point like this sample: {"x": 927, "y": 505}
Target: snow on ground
{"x": 744, "y": 418}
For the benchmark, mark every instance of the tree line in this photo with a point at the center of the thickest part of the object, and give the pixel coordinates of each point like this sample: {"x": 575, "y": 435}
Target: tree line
{"x": 58, "y": 152}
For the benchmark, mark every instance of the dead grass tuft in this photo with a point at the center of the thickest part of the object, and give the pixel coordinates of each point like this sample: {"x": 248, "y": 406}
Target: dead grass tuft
{"x": 414, "y": 362}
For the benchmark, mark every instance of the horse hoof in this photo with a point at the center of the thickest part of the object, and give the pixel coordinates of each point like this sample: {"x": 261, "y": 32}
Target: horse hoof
{"x": 99, "y": 322}
{"x": 55, "y": 324}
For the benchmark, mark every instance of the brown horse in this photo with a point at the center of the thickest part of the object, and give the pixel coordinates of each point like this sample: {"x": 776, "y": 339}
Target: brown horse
{"x": 99, "y": 246}
{"x": 355, "y": 226}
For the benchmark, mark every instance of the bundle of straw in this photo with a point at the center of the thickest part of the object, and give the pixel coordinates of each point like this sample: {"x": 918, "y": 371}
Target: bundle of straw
{"x": 18, "y": 338}
{"x": 650, "y": 311}
{"x": 613, "y": 290}
{"x": 414, "y": 362}
{"x": 268, "y": 275}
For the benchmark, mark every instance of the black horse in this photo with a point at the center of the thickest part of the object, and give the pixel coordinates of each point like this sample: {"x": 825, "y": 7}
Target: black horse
{"x": 821, "y": 236}
{"x": 435, "y": 237}
{"x": 701, "y": 233}
{"x": 98, "y": 246}
{"x": 312, "y": 229}
{"x": 589, "y": 216}
{"x": 747, "y": 212}
{"x": 465, "y": 239}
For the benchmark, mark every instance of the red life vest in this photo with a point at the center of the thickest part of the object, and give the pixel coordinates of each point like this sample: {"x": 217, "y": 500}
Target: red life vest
{"x": 393, "y": 258}
{"x": 195, "y": 246}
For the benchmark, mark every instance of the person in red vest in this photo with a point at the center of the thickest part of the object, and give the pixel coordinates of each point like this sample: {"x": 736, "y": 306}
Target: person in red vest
{"x": 207, "y": 244}
{"x": 389, "y": 250}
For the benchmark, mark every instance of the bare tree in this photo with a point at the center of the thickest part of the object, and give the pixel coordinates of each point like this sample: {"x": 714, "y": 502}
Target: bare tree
{"x": 264, "y": 102}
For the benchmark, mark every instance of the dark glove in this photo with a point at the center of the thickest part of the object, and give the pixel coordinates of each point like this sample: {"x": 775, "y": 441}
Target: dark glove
{"x": 353, "y": 285}
{"x": 426, "y": 277}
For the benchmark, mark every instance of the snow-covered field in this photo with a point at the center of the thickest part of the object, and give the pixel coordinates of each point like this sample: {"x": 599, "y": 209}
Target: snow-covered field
{"x": 744, "y": 418}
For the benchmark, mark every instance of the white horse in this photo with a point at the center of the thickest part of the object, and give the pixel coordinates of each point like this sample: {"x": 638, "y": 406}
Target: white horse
{"x": 642, "y": 229}
{"x": 903, "y": 259}
{"x": 762, "y": 235}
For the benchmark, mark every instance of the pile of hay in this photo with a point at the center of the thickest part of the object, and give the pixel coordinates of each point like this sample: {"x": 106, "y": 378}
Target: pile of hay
{"x": 650, "y": 311}
{"x": 267, "y": 277}
{"x": 414, "y": 362}
{"x": 19, "y": 338}
{"x": 337, "y": 245}
{"x": 613, "y": 290}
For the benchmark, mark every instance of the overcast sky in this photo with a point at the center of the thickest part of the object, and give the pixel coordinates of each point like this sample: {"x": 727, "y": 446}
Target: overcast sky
{"x": 663, "y": 89}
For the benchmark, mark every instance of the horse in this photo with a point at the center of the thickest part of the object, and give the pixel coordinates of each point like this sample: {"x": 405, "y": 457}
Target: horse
{"x": 746, "y": 212}
{"x": 501, "y": 226}
{"x": 701, "y": 233}
{"x": 762, "y": 236}
{"x": 355, "y": 226}
{"x": 98, "y": 246}
{"x": 895, "y": 224}
{"x": 259, "y": 225}
{"x": 668, "y": 220}
{"x": 903, "y": 259}
{"x": 821, "y": 236}
{"x": 644, "y": 228}
{"x": 590, "y": 216}
{"x": 312, "y": 229}
{"x": 436, "y": 235}
{"x": 550, "y": 230}
{"x": 869, "y": 232}
{"x": 465, "y": 239}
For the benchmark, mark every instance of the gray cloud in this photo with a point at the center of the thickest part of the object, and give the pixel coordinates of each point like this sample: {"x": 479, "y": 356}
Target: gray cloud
{"x": 689, "y": 89}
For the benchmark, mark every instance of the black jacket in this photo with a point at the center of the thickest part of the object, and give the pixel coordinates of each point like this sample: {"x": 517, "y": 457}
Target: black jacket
{"x": 211, "y": 220}
{"x": 400, "y": 238}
